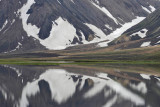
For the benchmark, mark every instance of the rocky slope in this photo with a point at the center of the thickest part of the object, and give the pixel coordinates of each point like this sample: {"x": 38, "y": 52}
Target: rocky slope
{"x": 30, "y": 25}
{"x": 146, "y": 33}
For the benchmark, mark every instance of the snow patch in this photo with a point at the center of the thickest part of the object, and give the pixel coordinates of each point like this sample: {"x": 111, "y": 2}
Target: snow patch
{"x": 144, "y": 8}
{"x": 97, "y": 1}
{"x": 58, "y": 1}
{"x": 72, "y": 1}
{"x": 17, "y": 47}
{"x": 30, "y": 29}
{"x": 158, "y": 37}
{"x": 102, "y": 44}
{"x": 12, "y": 21}
{"x": 158, "y": 79}
{"x": 152, "y": 8}
{"x": 83, "y": 38}
{"x": 61, "y": 35}
{"x": 145, "y": 44}
{"x": 98, "y": 32}
{"x": 119, "y": 31}
{"x": 109, "y": 27}
{"x": 142, "y": 33}
{"x": 158, "y": 42}
{"x": 5, "y": 23}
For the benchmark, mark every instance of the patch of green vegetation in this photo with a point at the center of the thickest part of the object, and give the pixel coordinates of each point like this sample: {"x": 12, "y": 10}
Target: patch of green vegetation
{"x": 76, "y": 61}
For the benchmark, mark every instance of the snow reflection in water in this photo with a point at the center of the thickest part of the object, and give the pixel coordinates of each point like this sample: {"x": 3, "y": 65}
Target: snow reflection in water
{"x": 60, "y": 88}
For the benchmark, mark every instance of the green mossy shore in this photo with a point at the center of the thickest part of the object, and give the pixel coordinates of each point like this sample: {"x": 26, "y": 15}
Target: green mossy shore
{"x": 73, "y": 61}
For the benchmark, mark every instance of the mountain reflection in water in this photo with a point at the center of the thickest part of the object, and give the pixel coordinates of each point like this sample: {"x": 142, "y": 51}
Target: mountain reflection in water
{"x": 28, "y": 86}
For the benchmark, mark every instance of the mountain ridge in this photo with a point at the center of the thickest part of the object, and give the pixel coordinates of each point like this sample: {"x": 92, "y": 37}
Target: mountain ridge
{"x": 56, "y": 24}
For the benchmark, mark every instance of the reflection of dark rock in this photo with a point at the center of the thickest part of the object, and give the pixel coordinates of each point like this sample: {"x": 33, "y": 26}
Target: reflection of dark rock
{"x": 74, "y": 78}
{"x": 3, "y": 102}
{"x": 43, "y": 98}
{"x": 88, "y": 82}
{"x": 45, "y": 90}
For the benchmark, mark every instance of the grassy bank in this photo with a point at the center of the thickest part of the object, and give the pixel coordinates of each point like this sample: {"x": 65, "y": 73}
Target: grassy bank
{"x": 102, "y": 56}
{"x": 31, "y": 61}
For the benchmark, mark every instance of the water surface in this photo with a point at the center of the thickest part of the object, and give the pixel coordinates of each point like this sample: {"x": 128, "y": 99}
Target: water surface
{"x": 47, "y": 86}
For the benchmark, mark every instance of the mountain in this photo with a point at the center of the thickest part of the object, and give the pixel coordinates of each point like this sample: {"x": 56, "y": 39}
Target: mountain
{"x": 146, "y": 33}
{"x": 32, "y": 25}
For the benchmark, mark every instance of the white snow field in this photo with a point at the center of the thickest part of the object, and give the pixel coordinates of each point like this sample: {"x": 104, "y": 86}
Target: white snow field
{"x": 119, "y": 31}
{"x": 145, "y": 44}
{"x": 61, "y": 35}
{"x": 142, "y": 33}
{"x": 147, "y": 10}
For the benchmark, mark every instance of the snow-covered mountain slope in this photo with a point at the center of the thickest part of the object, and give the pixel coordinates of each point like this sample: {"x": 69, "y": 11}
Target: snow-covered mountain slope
{"x": 27, "y": 25}
{"x": 146, "y": 33}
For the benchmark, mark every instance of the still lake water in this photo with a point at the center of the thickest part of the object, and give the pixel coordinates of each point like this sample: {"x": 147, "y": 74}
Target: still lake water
{"x": 46, "y": 86}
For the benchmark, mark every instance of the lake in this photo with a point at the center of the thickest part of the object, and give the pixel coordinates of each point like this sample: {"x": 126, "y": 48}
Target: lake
{"x": 78, "y": 86}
